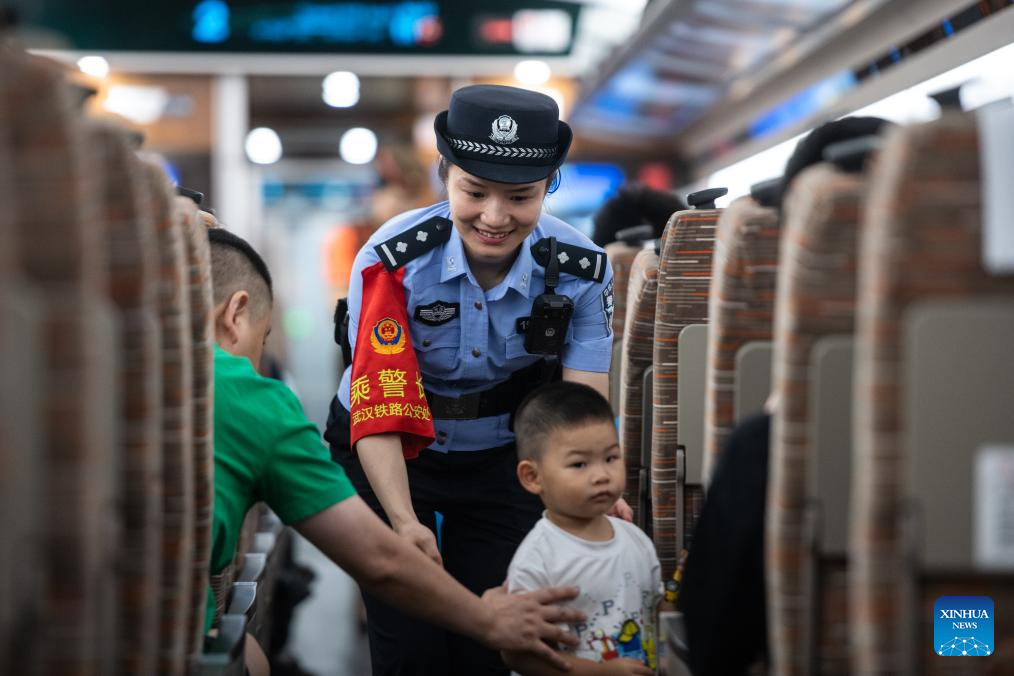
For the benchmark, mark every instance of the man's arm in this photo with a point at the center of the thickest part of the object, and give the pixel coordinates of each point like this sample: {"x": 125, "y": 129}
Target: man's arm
{"x": 352, "y": 536}
{"x": 528, "y": 664}
{"x": 384, "y": 464}
{"x": 597, "y": 381}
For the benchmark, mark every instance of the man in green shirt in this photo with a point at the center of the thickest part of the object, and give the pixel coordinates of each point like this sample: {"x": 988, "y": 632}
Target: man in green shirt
{"x": 266, "y": 450}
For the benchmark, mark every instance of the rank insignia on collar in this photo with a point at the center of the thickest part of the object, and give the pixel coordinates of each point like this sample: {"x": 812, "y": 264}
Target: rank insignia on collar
{"x": 414, "y": 242}
{"x": 437, "y": 313}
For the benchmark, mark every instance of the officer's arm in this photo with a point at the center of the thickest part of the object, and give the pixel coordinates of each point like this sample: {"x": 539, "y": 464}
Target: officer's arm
{"x": 384, "y": 464}
{"x": 352, "y": 536}
{"x": 598, "y": 381}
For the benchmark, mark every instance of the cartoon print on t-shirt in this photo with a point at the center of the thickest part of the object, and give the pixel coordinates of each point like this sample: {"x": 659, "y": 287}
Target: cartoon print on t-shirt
{"x": 604, "y": 645}
{"x": 629, "y": 640}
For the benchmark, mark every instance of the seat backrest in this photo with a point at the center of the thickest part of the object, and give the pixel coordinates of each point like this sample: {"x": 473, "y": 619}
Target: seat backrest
{"x": 621, "y": 257}
{"x": 59, "y": 250}
{"x": 815, "y": 299}
{"x": 684, "y": 279}
{"x": 133, "y": 288}
{"x": 922, "y": 242}
{"x": 202, "y": 335}
{"x": 177, "y": 422}
{"x": 21, "y": 471}
{"x": 742, "y": 303}
{"x": 637, "y": 352}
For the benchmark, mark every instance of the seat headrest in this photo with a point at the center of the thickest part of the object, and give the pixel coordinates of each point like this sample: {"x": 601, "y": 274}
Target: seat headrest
{"x": 850, "y": 156}
{"x": 766, "y": 192}
{"x": 636, "y": 234}
{"x": 705, "y": 199}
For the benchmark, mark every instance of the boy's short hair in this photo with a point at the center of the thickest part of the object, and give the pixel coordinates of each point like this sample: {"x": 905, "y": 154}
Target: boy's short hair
{"x": 559, "y": 404}
{"x": 235, "y": 266}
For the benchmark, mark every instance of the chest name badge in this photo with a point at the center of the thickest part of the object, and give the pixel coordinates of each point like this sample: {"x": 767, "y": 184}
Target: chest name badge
{"x": 387, "y": 337}
{"x": 437, "y": 313}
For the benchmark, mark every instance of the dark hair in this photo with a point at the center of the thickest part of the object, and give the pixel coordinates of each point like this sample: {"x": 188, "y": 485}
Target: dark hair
{"x": 634, "y": 204}
{"x": 554, "y": 406}
{"x": 810, "y": 149}
{"x": 444, "y": 168}
{"x": 236, "y": 266}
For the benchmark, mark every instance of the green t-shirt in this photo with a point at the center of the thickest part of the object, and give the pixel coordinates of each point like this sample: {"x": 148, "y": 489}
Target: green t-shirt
{"x": 265, "y": 450}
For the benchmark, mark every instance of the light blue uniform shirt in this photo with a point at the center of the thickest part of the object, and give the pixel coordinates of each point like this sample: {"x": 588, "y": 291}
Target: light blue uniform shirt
{"x": 485, "y": 322}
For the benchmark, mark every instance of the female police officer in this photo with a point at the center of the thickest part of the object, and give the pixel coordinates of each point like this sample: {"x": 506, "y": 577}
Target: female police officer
{"x": 470, "y": 271}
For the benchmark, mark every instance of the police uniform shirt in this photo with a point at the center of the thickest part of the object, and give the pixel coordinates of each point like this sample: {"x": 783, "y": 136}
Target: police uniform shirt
{"x": 467, "y": 339}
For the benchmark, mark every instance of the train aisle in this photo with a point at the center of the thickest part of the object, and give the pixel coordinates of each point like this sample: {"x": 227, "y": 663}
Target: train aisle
{"x": 326, "y": 635}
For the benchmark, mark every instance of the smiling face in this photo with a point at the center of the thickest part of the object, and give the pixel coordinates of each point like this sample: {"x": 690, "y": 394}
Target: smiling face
{"x": 580, "y": 474}
{"x": 493, "y": 219}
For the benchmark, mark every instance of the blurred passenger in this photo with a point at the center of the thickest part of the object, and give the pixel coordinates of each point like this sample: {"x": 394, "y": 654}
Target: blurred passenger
{"x": 266, "y": 450}
{"x": 403, "y": 185}
{"x": 437, "y": 305}
{"x": 570, "y": 457}
{"x": 634, "y": 205}
{"x": 724, "y": 592}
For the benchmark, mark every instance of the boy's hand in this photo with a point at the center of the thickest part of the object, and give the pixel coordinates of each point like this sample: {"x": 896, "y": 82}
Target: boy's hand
{"x": 621, "y": 510}
{"x": 626, "y": 668}
{"x": 422, "y": 537}
{"x": 525, "y": 621}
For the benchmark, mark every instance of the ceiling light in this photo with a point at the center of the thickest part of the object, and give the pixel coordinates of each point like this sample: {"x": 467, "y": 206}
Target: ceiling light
{"x": 542, "y": 30}
{"x": 263, "y": 146}
{"x": 341, "y": 89}
{"x": 143, "y": 105}
{"x": 96, "y": 66}
{"x": 532, "y": 73}
{"x": 358, "y": 146}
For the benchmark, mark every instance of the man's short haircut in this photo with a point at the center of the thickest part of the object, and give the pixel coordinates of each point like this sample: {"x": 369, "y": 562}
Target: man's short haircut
{"x": 552, "y": 407}
{"x": 810, "y": 149}
{"x": 634, "y": 204}
{"x": 235, "y": 266}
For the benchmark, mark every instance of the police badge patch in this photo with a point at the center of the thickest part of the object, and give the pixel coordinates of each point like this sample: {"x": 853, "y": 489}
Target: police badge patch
{"x": 607, "y": 303}
{"x": 437, "y": 313}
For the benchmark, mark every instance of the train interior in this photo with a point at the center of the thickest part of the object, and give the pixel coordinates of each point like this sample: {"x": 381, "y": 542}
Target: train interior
{"x": 866, "y": 307}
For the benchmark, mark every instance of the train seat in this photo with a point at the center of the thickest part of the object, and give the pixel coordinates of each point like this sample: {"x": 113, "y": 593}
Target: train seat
{"x": 684, "y": 279}
{"x": 926, "y": 300}
{"x": 132, "y": 287}
{"x": 177, "y": 422}
{"x": 742, "y": 304}
{"x": 202, "y": 335}
{"x": 639, "y": 330}
{"x": 806, "y": 524}
{"x": 58, "y": 239}
{"x": 621, "y": 258}
{"x": 21, "y": 362}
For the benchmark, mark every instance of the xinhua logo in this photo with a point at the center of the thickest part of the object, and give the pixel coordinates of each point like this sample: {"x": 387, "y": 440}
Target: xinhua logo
{"x": 963, "y": 626}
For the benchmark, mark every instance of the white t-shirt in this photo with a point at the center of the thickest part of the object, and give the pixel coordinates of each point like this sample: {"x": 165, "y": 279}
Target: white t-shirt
{"x": 620, "y": 581}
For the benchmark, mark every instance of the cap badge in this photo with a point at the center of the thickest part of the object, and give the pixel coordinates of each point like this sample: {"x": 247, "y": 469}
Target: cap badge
{"x": 505, "y": 129}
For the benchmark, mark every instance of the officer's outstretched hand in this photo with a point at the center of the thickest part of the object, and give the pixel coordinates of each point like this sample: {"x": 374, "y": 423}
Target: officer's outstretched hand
{"x": 525, "y": 621}
{"x": 621, "y": 510}
{"x": 422, "y": 537}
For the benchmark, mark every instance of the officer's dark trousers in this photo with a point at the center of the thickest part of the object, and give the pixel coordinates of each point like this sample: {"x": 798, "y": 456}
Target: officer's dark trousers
{"x": 486, "y": 514}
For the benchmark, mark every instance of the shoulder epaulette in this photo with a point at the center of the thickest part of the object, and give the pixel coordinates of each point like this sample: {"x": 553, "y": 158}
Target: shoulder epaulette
{"x": 574, "y": 260}
{"x": 414, "y": 242}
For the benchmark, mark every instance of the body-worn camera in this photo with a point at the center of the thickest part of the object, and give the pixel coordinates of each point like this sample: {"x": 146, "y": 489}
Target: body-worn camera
{"x": 547, "y": 326}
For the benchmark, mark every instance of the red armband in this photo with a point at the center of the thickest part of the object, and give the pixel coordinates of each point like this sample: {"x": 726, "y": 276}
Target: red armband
{"x": 387, "y": 389}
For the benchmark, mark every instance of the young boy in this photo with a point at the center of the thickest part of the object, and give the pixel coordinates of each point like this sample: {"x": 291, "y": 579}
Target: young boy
{"x": 569, "y": 456}
{"x": 266, "y": 449}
